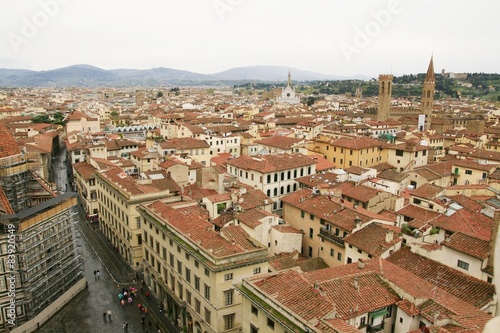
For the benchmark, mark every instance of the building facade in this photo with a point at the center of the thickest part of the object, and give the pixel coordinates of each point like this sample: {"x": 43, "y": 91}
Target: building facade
{"x": 192, "y": 268}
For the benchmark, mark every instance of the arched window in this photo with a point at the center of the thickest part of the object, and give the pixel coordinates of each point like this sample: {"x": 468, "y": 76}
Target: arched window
{"x": 295, "y": 187}
{"x": 309, "y": 170}
{"x": 289, "y": 175}
{"x": 275, "y": 177}
{"x": 268, "y": 193}
{"x": 301, "y": 172}
{"x": 282, "y": 176}
{"x": 282, "y": 189}
{"x": 268, "y": 179}
{"x": 275, "y": 191}
{"x": 294, "y": 173}
{"x": 288, "y": 188}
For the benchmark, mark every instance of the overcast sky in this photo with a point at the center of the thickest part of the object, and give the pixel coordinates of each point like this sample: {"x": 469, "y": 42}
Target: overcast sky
{"x": 336, "y": 37}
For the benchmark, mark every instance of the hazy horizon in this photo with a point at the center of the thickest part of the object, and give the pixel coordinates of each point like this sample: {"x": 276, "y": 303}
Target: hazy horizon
{"x": 336, "y": 38}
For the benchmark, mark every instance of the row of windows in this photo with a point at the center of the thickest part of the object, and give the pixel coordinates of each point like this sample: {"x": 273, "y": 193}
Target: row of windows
{"x": 351, "y": 150}
{"x": 283, "y": 190}
{"x": 341, "y": 161}
{"x": 276, "y": 177}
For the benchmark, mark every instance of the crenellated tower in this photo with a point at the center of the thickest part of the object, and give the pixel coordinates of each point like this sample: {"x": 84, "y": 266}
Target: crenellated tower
{"x": 384, "y": 96}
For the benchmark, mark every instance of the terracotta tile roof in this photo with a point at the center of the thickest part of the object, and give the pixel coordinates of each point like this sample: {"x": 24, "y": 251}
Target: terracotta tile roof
{"x": 428, "y": 191}
{"x": 184, "y": 143}
{"x": 335, "y": 325}
{"x": 356, "y": 143}
{"x": 350, "y": 301}
{"x": 469, "y": 289}
{"x": 466, "y": 222}
{"x": 85, "y": 170}
{"x": 289, "y": 260}
{"x": 322, "y": 164}
{"x": 409, "y": 308}
{"x": 145, "y": 154}
{"x": 433, "y": 311}
{"x": 219, "y": 197}
{"x": 223, "y": 219}
{"x": 132, "y": 186}
{"x": 280, "y": 142}
{"x": 237, "y": 236}
{"x": 199, "y": 231}
{"x": 8, "y": 145}
{"x": 383, "y": 166}
{"x": 427, "y": 174}
{"x": 5, "y": 206}
{"x": 196, "y": 193}
{"x": 465, "y": 314}
{"x": 78, "y": 115}
{"x": 319, "y": 179}
{"x": 474, "y": 165}
{"x": 392, "y": 175}
{"x": 477, "y": 248}
{"x": 270, "y": 163}
{"x": 466, "y": 202}
{"x": 356, "y": 170}
{"x": 221, "y": 158}
{"x": 253, "y": 199}
{"x": 252, "y": 217}
{"x": 372, "y": 239}
{"x": 294, "y": 293}
{"x": 358, "y": 192}
{"x": 326, "y": 208}
{"x": 286, "y": 229}
{"x": 420, "y": 216}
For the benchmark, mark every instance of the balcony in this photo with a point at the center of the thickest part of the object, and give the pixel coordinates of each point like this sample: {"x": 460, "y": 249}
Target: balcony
{"x": 327, "y": 234}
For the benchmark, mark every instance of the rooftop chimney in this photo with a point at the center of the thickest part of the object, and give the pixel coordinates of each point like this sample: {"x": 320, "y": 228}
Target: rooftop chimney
{"x": 389, "y": 236}
{"x": 361, "y": 263}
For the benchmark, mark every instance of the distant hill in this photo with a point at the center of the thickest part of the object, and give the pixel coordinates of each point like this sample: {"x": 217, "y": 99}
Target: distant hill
{"x": 272, "y": 73}
{"x": 90, "y": 76}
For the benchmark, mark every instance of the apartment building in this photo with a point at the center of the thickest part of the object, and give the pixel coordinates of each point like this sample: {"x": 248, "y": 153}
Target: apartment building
{"x": 406, "y": 157}
{"x": 198, "y": 150}
{"x": 192, "y": 268}
{"x": 86, "y": 187}
{"x": 272, "y": 174}
{"x": 78, "y": 121}
{"x": 118, "y": 196}
{"x": 469, "y": 172}
{"x": 357, "y": 151}
{"x": 325, "y": 221}
{"x": 369, "y": 296}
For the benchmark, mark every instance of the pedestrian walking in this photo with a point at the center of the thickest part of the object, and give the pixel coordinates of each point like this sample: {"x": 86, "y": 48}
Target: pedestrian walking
{"x": 125, "y": 327}
{"x": 130, "y": 300}
{"x": 122, "y": 302}
{"x": 109, "y": 314}
{"x": 147, "y": 294}
{"x": 98, "y": 275}
{"x": 104, "y": 316}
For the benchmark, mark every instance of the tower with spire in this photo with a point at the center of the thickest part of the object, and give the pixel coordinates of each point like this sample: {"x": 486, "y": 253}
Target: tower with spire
{"x": 288, "y": 93}
{"x": 427, "y": 100}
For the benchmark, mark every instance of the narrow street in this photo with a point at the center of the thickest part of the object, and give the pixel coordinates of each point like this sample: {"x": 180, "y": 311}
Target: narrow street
{"x": 85, "y": 312}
